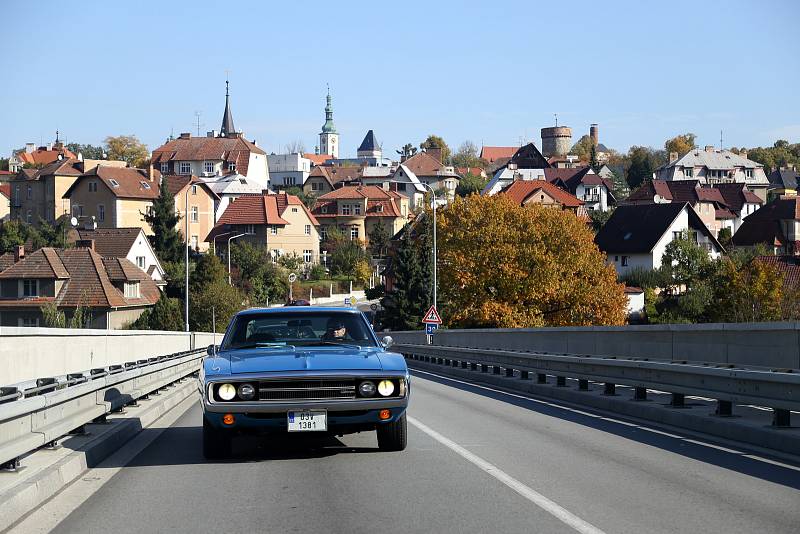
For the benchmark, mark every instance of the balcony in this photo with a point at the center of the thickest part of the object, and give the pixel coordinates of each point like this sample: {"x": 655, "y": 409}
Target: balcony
{"x": 591, "y": 197}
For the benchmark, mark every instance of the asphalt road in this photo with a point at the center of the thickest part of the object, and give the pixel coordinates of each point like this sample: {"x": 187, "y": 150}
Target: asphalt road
{"x": 478, "y": 461}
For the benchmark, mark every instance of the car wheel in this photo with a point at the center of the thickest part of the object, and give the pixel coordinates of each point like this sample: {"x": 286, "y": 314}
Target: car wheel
{"x": 216, "y": 443}
{"x": 393, "y": 436}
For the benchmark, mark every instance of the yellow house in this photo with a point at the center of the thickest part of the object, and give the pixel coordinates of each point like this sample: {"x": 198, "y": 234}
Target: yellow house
{"x": 38, "y": 193}
{"x": 281, "y": 223}
{"x": 120, "y": 197}
{"x": 356, "y": 210}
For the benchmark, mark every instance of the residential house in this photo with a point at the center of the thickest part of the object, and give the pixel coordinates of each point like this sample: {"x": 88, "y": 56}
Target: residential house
{"x": 357, "y": 209}
{"x": 527, "y": 192}
{"x": 428, "y": 168}
{"x": 5, "y": 202}
{"x": 229, "y": 188}
{"x": 37, "y": 193}
{"x": 325, "y": 178}
{"x": 317, "y": 159}
{"x": 114, "y": 290}
{"x": 279, "y": 222}
{"x": 288, "y": 170}
{"x": 497, "y": 156}
{"x": 527, "y": 163}
{"x": 636, "y": 236}
{"x": 129, "y": 243}
{"x": 570, "y": 161}
{"x": 776, "y": 225}
{"x": 38, "y": 157}
{"x": 712, "y": 166}
{"x": 783, "y": 182}
{"x": 119, "y": 198}
{"x": 719, "y": 206}
{"x": 595, "y": 191}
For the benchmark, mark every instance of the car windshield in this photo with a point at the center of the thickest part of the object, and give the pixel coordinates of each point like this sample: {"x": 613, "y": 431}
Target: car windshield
{"x": 319, "y": 328}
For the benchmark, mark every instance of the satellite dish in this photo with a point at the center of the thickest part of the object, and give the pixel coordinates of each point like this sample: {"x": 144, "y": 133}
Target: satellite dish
{"x": 74, "y": 222}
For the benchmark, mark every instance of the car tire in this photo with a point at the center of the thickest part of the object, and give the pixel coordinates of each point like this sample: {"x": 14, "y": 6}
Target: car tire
{"x": 393, "y": 436}
{"x": 216, "y": 443}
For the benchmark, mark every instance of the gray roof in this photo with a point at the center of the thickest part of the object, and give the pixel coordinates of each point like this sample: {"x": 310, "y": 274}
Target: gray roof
{"x": 784, "y": 178}
{"x": 369, "y": 143}
{"x": 719, "y": 159}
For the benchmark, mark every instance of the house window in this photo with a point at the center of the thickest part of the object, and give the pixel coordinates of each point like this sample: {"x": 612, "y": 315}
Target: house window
{"x": 140, "y": 262}
{"x": 677, "y": 235}
{"x": 193, "y": 242}
{"x": 345, "y": 209}
{"x": 185, "y": 167}
{"x": 149, "y": 210}
{"x": 195, "y": 215}
{"x": 250, "y": 229}
{"x": 308, "y": 229}
{"x": 307, "y": 256}
{"x": 194, "y": 189}
{"x": 401, "y": 187}
{"x": 624, "y": 261}
{"x": 101, "y": 212}
{"x": 231, "y": 167}
{"x": 93, "y": 186}
{"x": 30, "y": 288}
{"x": 164, "y": 167}
{"x": 354, "y": 232}
{"x": 289, "y": 180}
{"x": 323, "y": 233}
{"x": 748, "y": 173}
{"x": 77, "y": 210}
{"x": 688, "y": 172}
{"x": 208, "y": 167}
{"x": 294, "y": 210}
{"x": 325, "y": 209}
{"x": 316, "y": 186}
{"x": 28, "y": 322}
{"x": 113, "y": 183}
{"x": 28, "y": 217}
{"x": 357, "y": 209}
{"x": 131, "y": 290}
{"x": 379, "y": 208}
{"x": 273, "y": 230}
{"x": 616, "y": 259}
{"x": 30, "y": 191}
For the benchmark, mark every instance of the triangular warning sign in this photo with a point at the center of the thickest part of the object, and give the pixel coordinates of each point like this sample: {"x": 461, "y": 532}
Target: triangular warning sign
{"x": 432, "y": 316}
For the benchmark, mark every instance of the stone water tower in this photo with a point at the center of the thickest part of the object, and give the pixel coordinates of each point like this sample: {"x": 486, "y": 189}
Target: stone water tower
{"x": 556, "y": 141}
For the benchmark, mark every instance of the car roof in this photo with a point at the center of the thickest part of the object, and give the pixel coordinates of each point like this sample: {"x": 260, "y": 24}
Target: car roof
{"x": 299, "y": 310}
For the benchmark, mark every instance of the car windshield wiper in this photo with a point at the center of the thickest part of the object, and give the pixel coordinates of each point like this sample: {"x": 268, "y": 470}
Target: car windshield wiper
{"x": 263, "y": 346}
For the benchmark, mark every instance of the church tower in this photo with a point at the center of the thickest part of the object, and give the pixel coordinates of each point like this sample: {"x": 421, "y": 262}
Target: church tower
{"x": 328, "y": 138}
{"x": 227, "y": 129}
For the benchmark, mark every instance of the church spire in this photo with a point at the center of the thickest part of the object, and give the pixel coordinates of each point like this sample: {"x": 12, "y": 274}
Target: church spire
{"x": 227, "y": 127}
{"x": 328, "y": 127}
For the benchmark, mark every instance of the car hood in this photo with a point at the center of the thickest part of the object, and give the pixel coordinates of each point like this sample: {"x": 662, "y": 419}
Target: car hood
{"x": 316, "y": 359}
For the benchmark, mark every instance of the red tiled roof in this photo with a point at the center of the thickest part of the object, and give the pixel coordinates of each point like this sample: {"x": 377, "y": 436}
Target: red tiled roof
{"x": 177, "y": 182}
{"x": 5, "y": 190}
{"x": 423, "y": 164}
{"x": 788, "y": 265}
{"x": 335, "y": 174}
{"x": 375, "y": 195}
{"x": 130, "y": 182}
{"x": 60, "y": 167}
{"x": 492, "y": 153}
{"x": 476, "y": 171}
{"x": 111, "y": 242}
{"x": 520, "y": 190}
{"x": 317, "y": 159}
{"x": 235, "y": 150}
{"x": 360, "y": 191}
{"x": 44, "y": 263}
{"x": 255, "y": 209}
{"x": 43, "y": 156}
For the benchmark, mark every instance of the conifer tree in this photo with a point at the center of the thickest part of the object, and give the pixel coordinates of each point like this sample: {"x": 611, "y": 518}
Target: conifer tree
{"x": 404, "y": 307}
{"x": 163, "y": 219}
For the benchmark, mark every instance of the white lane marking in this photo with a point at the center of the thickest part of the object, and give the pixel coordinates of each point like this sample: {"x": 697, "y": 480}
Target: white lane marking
{"x": 617, "y": 421}
{"x": 557, "y": 511}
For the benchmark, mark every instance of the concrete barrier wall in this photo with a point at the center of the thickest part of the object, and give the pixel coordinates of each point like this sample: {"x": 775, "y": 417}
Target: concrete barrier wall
{"x": 775, "y": 345}
{"x": 30, "y": 353}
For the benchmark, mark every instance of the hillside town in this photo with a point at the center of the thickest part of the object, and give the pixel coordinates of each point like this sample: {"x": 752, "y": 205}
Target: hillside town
{"x": 105, "y": 237}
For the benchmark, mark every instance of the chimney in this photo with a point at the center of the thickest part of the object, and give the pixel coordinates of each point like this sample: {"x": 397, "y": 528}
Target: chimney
{"x": 85, "y": 243}
{"x": 151, "y": 172}
{"x": 594, "y": 134}
{"x": 743, "y": 153}
{"x": 185, "y": 135}
{"x": 212, "y": 133}
{"x": 19, "y": 253}
{"x": 710, "y": 148}
{"x": 30, "y": 147}
{"x": 435, "y": 153}
{"x": 673, "y": 156}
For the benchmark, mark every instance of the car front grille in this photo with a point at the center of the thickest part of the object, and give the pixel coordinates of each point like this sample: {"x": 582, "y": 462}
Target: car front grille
{"x": 281, "y": 390}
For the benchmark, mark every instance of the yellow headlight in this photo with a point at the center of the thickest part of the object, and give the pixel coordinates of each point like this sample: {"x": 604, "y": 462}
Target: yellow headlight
{"x": 386, "y": 388}
{"x": 226, "y": 392}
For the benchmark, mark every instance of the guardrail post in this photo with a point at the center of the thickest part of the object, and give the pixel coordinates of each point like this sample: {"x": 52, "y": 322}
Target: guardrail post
{"x": 609, "y": 389}
{"x": 524, "y": 375}
{"x": 561, "y": 381}
{"x": 781, "y": 418}
{"x": 11, "y": 392}
{"x": 11, "y": 466}
{"x": 541, "y": 378}
{"x": 583, "y": 384}
{"x": 509, "y": 372}
{"x": 455, "y": 363}
{"x": 639, "y": 394}
{"x": 464, "y": 364}
{"x": 41, "y": 382}
{"x": 724, "y": 409}
{"x": 678, "y": 400}
{"x": 473, "y": 366}
{"x": 484, "y": 368}
{"x": 495, "y": 369}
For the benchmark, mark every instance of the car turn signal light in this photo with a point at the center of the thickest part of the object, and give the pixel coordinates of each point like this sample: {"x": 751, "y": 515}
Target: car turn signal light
{"x": 385, "y": 414}
{"x": 228, "y": 419}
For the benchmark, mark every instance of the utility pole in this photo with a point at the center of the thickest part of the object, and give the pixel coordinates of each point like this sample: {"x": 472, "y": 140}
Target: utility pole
{"x": 186, "y": 259}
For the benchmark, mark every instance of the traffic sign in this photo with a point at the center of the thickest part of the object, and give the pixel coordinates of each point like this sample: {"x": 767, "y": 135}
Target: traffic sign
{"x": 292, "y": 278}
{"x": 432, "y": 316}
{"x": 350, "y": 301}
{"x": 431, "y": 328}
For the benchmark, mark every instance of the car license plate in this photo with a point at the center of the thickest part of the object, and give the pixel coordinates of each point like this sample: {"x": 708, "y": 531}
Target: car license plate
{"x": 308, "y": 421}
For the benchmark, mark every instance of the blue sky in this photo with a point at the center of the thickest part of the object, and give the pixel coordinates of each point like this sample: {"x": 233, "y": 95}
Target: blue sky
{"x": 489, "y": 72}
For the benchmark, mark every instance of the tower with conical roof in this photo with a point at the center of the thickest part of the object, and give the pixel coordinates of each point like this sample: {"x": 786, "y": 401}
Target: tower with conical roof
{"x": 328, "y": 137}
{"x": 227, "y": 129}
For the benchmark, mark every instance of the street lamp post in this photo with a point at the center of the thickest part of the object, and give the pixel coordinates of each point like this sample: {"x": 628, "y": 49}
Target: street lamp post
{"x": 231, "y": 238}
{"x": 435, "y": 266}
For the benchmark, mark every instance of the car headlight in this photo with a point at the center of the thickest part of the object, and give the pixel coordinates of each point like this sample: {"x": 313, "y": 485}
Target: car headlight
{"x": 385, "y": 387}
{"x": 246, "y": 391}
{"x": 226, "y": 392}
{"x": 366, "y": 389}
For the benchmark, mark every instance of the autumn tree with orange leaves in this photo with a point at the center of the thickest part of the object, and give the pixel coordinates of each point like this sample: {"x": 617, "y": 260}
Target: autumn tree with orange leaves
{"x": 508, "y": 266}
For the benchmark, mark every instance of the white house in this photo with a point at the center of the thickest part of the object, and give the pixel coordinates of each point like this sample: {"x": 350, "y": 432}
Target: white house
{"x": 232, "y": 186}
{"x": 129, "y": 243}
{"x": 288, "y": 170}
{"x": 636, "y": 236}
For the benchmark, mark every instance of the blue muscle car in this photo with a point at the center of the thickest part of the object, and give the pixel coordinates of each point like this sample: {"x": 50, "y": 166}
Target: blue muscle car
{"x": 304, "y": 369}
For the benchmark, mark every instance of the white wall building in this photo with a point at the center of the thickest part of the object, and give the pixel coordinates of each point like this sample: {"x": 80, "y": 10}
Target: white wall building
{"x": 288, "y": 170}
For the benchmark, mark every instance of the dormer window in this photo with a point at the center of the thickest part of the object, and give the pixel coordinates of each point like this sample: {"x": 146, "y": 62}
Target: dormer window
{"x": 231, "y": 167}
{"x": 379, "y": 208}
{"x": 113, "y": 183}
{"x": 145, "y": 185}
{"x": 208, "y": 167}
{"x": 185, "y": 167}
{"x": 164, "y": 167}
{"x": 131, "y": 290}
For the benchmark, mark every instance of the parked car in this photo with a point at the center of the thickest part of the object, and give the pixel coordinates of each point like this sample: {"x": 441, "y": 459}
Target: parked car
{"x": 304, "y": 369}
{"x": 298, "y": 302}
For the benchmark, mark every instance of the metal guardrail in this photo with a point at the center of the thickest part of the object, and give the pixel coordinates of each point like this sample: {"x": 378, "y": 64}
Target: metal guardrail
{"x": 38, "y": 416}
{"x": 778, "y": 389}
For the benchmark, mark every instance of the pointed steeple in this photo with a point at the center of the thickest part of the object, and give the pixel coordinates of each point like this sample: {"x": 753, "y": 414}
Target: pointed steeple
{"x": 227, "y": 127}
{"x": 328, "y": 127}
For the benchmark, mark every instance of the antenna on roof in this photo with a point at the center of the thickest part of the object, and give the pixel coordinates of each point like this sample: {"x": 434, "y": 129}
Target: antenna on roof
{"x": 720, "y": 140}
{"x": 197, "y": 120}
{"x": 556, "y": 116}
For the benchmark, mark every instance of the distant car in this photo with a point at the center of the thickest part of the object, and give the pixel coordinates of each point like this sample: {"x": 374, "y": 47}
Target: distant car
{"x": 302, "y": 370}
{"x": 298, "y": 302}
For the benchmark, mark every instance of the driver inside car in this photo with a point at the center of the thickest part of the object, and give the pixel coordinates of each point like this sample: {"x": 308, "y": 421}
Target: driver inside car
{"x": 335, "y": 331}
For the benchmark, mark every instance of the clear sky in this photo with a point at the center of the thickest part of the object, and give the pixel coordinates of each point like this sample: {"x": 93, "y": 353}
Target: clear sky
{"x": 492, "y": 72}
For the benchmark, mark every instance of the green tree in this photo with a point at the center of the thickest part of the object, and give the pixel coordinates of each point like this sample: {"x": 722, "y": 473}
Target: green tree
{"x": 642, "y": 162}
{"x": 12, "y": 234}
{"x": 685, "y": 261}
{"x": 82, "y": 316}
{"x": 166, "y": 314}
{"x": 163, "y": 219}
{"x": 52, "y": 316}
{"x": 127, "y": 148}
{"x": 681, "y": 144}
{"x": 467, "y": 156}
{"x": 404, "y": 306}
{"x": 209, "y": 289}
{"x": 599, "y": 218}
{"x": 208, "y": 270}
{"x": 434, "y": 141}
{"x": 87, "y": 151}
{"x": 54, "y": 234}
{"x": 345, "y": 259}
{"x": 3, "y": 164}
{"x": 407, "y": 151}
{"x": 260, "y": 279}
{"x": 309, "y": 199}
{"x": 583, "y": 148}
{"x": 379, "y": 238}
{"x": 471, "y": 184}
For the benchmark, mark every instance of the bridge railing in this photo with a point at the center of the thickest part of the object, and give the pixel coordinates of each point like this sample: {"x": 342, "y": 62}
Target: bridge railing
{"x": 38, "y": 414}
{"x": 728, "y": 383}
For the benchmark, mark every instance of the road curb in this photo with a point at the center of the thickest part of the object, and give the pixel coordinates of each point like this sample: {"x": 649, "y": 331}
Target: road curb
{"x": 785, "y": 441}
{"x": 18, "y": 500}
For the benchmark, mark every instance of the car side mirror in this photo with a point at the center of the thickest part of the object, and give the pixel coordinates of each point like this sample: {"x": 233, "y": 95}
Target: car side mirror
{"x": 212, "y": 350}
{"x": 388, "y": 342}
